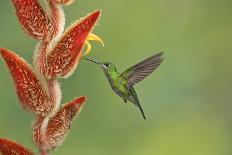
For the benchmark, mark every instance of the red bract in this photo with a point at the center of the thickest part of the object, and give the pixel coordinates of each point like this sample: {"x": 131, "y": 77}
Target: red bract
{"x": 30, "y": 91}
{"x": 32, "y": 17}
{"x": 8, "y": 147}
{"x": 63, "y": 58}
{"x": 57, "y": 20}
{"x": 67, "y": 2}
{"x": 39, "y": 59}
{"x": 36, "y": 22}
{"x": 48, "y": 134}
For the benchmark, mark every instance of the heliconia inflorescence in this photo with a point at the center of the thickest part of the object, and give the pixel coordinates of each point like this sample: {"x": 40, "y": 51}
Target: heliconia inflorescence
{"x": 56, "y": 56}
{"x": 8, "y": 147}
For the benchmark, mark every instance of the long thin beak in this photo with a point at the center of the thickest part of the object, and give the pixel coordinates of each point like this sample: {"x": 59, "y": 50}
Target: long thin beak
{"x": 95, "y": 61}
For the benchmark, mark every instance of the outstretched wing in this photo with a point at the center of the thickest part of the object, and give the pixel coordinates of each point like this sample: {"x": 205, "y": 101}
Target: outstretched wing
{"x": 141, "y": 70}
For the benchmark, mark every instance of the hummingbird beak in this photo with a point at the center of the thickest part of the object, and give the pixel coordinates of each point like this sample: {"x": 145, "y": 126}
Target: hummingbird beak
{"x": 95, "y": 61}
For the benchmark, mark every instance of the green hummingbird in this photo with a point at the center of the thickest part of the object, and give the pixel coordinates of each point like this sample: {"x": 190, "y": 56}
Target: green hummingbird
{"x": 122, "y": 84}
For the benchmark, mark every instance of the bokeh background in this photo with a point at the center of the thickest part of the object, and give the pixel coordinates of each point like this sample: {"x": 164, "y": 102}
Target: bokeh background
{"x": 187, "y": 101}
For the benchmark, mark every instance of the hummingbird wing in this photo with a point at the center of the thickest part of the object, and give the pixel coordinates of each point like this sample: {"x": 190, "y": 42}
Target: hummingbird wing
{"x": 141, "y": 70}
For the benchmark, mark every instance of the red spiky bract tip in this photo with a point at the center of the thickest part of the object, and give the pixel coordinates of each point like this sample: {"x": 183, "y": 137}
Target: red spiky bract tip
{"x": 8, "y": 147}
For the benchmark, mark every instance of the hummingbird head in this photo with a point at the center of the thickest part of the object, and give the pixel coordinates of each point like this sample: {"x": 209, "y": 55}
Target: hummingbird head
{"x": 107, "y": 67}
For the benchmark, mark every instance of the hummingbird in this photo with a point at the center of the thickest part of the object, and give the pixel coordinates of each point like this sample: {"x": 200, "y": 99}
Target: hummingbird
{"x": 123, "y": 83}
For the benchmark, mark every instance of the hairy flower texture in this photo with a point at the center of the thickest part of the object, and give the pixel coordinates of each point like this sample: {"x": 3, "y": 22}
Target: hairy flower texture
{"x": 48, "y": 134}
{"x": 8, "y": 147}
{"x": 36, "y": 22}
{"x": 33, "y": 18}
{"x": 63, "y": 57}
{"x": 66, "y": 2}
{"x": 30, "y": 91}
{"x": 56, "y": 56}
{"x": 57, "y": 19}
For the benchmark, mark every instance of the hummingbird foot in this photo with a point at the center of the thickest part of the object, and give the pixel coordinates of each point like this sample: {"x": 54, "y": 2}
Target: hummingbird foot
{"x": 91, "y": 37}
{"x": 125, "y": 100}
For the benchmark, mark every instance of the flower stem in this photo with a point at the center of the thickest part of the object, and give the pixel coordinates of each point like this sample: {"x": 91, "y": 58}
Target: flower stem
{"x": 43, "y": 152}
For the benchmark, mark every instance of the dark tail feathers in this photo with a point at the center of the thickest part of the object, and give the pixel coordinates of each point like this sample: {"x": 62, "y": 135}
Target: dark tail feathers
{"x": 141, "y": 110}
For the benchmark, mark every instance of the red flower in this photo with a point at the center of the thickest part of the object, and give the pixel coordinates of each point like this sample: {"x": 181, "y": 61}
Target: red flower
{"x": 29, "y": 88}
{"x": 8, "y": 147}
{"x": 33, "y": 18}
{"x": 63, "y": 57}
{"x": 50, "y": 133}
{"x": 56, "y": 56}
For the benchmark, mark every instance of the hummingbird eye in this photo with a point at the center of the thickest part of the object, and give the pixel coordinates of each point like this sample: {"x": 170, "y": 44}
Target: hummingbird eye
{"x": 107, "y": 64}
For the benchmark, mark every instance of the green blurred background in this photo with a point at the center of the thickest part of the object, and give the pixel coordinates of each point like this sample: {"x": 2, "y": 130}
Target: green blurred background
{"x": 187, "y": 100}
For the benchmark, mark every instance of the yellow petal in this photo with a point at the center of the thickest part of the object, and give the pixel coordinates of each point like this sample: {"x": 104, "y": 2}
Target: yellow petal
{"x": 93, "y": 37}
{"x": 88, "y": 48}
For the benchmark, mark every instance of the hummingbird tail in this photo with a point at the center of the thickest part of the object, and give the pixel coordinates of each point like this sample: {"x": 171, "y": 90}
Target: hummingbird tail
{"x": 136, "y": 102}
{"x": 141, "y": 110}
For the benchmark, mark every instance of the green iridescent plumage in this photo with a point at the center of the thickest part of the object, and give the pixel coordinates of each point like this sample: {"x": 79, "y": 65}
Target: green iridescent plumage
{"x": 122, "y": 84}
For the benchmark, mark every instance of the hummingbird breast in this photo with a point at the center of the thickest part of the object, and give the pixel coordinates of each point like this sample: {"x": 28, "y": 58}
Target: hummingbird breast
{"x": 119, "y": 87}
{"x": 118, "y": 84}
